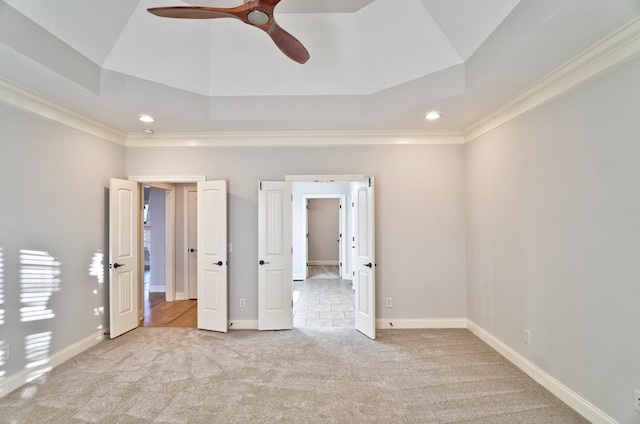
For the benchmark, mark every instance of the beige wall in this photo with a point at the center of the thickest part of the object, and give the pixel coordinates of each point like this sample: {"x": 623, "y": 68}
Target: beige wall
{"x": 420, "y": 234}
{"x": 553, "y": 236}
{"x": 53, "y": 184}
{"x": 323, "y": 230}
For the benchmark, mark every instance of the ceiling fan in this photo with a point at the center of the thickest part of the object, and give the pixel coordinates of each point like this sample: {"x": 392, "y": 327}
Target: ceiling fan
{"x": 258, "y": 13}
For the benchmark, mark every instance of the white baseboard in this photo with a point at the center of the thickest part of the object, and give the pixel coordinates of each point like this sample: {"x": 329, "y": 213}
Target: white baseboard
{"x": 326, "y": 263}
{"x": 421, "y": 323}
{"x": 158, "y": 289}
{"x": 243, "y": 325}
{"x": 568, "y": 396}
{"x": 21, "y": 378}
{"x": 299, "y": 277}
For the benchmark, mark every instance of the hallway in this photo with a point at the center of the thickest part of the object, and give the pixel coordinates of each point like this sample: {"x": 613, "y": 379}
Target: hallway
{"x": 323, "y": 299}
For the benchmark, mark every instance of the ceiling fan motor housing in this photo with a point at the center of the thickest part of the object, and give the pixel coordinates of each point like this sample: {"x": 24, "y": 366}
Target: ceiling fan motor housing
{"x": 258, "y": 17}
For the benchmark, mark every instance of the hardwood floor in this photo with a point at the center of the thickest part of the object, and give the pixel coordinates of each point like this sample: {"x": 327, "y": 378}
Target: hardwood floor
{"x": 179, "y": 313}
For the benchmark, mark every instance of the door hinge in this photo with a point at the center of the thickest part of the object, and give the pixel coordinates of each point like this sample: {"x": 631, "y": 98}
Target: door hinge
{"x": 369, "y": 181}
{"x": 260, "y": 185}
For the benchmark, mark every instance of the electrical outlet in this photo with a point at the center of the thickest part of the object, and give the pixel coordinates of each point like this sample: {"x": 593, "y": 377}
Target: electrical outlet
{"x": 243, "y": 303}
{"x": 389, "y": 302}
{"x": 527, "y": 337}
{"x": 636, "y": 400}
{"x": 4, "y": 353}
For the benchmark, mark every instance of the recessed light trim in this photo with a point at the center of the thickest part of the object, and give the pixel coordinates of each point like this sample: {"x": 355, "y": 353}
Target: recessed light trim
{"x": 146, "y": 119}
{"x": 432, "y": 116}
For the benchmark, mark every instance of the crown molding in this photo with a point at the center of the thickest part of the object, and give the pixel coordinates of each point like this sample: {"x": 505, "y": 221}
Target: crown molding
{"x": 21, "y": 98}
{"x": 617, "y": 48}
{"x": 295, "y": 139}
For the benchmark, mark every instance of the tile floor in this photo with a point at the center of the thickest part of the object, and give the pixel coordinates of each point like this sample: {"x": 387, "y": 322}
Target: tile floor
{"x": 323, "y": 299}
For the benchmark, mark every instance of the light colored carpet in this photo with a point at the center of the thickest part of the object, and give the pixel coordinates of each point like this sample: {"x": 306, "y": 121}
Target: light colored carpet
{"x": 179, "y": 375}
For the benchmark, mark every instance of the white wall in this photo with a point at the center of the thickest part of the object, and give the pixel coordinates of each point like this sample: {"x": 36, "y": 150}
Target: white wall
{"x": 553, "y": 238}
{"x": 300, "y": 190}
{"x": 156, "y": 220}
{"x": 419, "y": 214}
{"x": 52, "y": 199}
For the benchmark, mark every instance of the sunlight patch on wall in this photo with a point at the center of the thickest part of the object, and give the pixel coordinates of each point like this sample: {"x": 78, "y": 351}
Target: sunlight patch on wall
{"x": 1, "y": 289}
{"x": 39, "y": 279}
{"x": 2, "y": 342}
{"x": 37, "y": 354}
{"x": 96, "y": 269}
{"x": 3, "y": 346}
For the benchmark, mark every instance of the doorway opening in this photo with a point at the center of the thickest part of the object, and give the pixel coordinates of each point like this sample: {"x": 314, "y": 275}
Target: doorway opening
{"x": 323, "y": 293}
{"x": 164, "y": 301}
{"x": 165, "y": 296}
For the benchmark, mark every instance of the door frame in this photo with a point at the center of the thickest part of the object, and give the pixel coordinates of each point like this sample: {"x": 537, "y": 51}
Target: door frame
{"x": 341, "y": 227}
{"x": 169, "y": 239}
{"x": 352, "y": 178}
{"x": 170, "y": 225}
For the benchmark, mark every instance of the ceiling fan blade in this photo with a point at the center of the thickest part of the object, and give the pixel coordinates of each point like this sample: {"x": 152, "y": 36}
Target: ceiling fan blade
{"x": 287, "y": 43}
{"x": 257, "y": 13}
{"x": 192, "y": 12}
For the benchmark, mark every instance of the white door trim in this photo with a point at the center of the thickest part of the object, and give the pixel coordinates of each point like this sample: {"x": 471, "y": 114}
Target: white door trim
{"x": 169, "y": 179}
{"x": 163, "y": 181}
{"x": 169, "y": 240}
{"x": 324, "y": 178}
{"x": 305, "y": 219}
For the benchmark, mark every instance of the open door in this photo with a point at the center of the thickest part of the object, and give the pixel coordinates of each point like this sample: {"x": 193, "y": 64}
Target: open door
{"x": 212, "y": 256}
{"x": 341, "y": 257}
{"x": 123, "y": 257}
{"x": 275, "y": 296}
{"x": 364, "y": 282}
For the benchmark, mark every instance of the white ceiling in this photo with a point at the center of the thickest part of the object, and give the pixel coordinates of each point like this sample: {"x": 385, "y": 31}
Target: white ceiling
{"x": 376, "y": 65}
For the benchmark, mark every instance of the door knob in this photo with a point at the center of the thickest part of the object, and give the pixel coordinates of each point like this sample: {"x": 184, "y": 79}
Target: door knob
{"x": 262, "y": 262}
{"x": 369, "y": 265}
{"x": 219, "y": 263}
{"x": 117, "y": 265}
{"x": 192, "y": 250}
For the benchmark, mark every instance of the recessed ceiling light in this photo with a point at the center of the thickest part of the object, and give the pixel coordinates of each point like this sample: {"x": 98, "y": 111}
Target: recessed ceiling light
{"x": 147, "y": 131}
{"x": 146, "y": 118}
{"x": 432, "y": 116}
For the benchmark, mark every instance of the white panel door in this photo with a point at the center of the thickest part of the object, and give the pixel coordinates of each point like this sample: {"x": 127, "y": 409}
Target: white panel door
{"x": 212, "y": 256}
{"x": 365, "y": 284}
{"x": 275, "y": 279}
{"x": 123, "y": 257}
